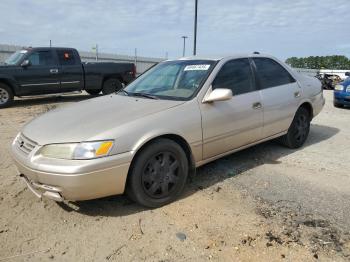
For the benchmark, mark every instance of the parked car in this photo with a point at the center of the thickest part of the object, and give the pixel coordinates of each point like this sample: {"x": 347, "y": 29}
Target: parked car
{"x": 38, "y": 71}
{"x": 342, "y": 93}
{"x": 328, "y": 81}
{"x": 149, "y": 137}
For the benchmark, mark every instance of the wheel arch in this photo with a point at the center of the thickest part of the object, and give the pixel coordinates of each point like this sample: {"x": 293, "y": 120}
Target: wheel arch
{"x": 308, "y": 106}
{"x": 8, "y": 82}
{"x": 112, "y": 76}
{"x": 177, "y": 139}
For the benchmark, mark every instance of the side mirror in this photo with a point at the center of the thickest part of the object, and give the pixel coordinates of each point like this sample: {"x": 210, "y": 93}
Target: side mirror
{"x": 25, "y": 63}
{"x": 219, "y": 94}
{"x": 347, "y": 73}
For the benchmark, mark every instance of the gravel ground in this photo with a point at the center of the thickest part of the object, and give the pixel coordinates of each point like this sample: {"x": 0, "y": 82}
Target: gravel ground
{"x": 266, "y": 203}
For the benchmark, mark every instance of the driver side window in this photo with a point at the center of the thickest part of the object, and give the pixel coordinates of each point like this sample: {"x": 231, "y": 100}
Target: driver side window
{"x": 41, "y": 58}
{"x": 235, "y": 75}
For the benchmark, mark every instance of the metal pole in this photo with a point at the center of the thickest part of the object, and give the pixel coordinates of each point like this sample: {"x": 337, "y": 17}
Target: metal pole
{"x": 135, "y": 56}
{"x": 50, "y": 43}
{"x": 96, "y": 52}
{"x": 184, "y": 47}
{"x": 195, "y": 28}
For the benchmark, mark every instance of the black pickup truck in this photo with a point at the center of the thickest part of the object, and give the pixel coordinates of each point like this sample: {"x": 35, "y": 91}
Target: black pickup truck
{"x": 39, "y": 71}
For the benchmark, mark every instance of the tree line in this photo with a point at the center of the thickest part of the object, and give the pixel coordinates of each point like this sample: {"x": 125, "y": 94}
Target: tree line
{"x": 319, "y": 62}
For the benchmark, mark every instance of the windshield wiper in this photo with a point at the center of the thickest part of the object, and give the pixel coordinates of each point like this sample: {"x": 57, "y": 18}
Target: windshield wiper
{"x": 144, "y": 95}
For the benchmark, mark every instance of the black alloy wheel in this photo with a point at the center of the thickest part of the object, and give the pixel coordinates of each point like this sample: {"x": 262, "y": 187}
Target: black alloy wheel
{"x": 158, "y": 173}
{"x": 298, "y": 130}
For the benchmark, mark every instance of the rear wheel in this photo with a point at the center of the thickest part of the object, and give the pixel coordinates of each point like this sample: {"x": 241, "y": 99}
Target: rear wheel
{"x": 158, "y": 174}
{"x": 111, "y": 85}
{"x": 6, "y": 96}
{"x": 298, "y": 130}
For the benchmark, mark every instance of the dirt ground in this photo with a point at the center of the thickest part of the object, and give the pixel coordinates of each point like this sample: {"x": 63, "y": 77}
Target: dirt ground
{"x": 266, "y": 203}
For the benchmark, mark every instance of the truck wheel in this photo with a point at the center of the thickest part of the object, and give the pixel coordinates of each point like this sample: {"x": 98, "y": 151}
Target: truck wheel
{"x": 338, "y": 105}
{"x": 93, "y": 92}
{"x": 158, "y": 175}
{"x": 111, "y": 85}
{"x": 298, "y": 130}
{"x": 6, "y": 96}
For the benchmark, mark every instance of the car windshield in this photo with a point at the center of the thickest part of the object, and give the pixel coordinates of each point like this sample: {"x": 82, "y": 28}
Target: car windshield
{"x": 175, "y": 80}
{"x": 15, "y": 57}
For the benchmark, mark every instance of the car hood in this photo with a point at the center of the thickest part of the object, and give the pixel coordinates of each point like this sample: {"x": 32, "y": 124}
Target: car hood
{"x": 86, "y": 120}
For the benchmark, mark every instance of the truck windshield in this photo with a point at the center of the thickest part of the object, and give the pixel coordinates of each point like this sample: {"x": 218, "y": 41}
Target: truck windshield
{"x": 175, "y": 80}
{"x": 15, "y": 57}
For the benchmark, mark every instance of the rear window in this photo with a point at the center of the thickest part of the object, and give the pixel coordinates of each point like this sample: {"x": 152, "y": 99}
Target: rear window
{"x": 66, "y": 57}
{"x": 271, "y": 74}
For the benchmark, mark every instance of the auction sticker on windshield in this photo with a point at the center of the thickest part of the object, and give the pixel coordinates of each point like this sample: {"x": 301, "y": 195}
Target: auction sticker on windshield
{"x": 196, "y": 67}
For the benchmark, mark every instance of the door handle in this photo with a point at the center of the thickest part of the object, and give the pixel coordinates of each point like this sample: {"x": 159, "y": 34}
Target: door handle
{"x": 53, "y": 71}
{"x": 257, "y": 105}
{"x": 297, "y": 94}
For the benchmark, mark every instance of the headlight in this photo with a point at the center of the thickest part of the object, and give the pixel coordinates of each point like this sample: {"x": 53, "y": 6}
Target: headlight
{"x": 348, "y": 89}
{"x": 84, "y": 150}
{"x": 339, "y": 87}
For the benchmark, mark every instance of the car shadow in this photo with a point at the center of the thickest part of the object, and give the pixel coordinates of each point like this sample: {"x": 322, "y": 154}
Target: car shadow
{"x": 48, "y": 99}
{"x": 208, "y": 175}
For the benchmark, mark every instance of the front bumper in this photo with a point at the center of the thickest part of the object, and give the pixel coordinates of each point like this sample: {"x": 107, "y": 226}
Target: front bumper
{"x": 73, "y": 180}
{"x": 342, "y": 97}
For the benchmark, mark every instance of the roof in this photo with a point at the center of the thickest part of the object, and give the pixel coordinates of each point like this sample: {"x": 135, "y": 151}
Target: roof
{"x": 218, "y": 58}
{"x": 48, "y": 48}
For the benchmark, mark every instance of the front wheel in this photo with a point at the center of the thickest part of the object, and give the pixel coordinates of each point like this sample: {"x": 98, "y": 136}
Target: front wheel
{"x": 158, "y": 174}
{"x": 111, "y": 85}
{"x": 6, "y": 96}
{"x": 298, "y": 130}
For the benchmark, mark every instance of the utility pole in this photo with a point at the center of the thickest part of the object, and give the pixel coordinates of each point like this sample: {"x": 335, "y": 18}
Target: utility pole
{"x": 195, "y": 28}
{"x": 96, "y": 49}
{"x": 50, "y": 43}
{"x": 135, "y": 56}
{"x": 184, "y": 47}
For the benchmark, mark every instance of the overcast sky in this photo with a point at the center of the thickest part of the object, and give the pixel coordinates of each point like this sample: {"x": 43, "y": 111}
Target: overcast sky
{"x": 283, "y": 28}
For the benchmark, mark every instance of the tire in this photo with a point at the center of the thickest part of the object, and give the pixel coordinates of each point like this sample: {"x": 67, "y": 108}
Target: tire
{"x": 93, "y": 92}
{"x": 298, "y": 130}
{"x": 6, "y": 96}
{"x": 158, "y": 174}
{"x": 338, "y": 105}
{"x": 111, "y": 85}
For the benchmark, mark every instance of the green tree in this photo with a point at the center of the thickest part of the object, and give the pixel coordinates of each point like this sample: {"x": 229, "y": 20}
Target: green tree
{"x": 318, "y": 62}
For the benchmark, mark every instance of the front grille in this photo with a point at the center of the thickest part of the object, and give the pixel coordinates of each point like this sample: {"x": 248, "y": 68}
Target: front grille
{"x": 25, "y": 144}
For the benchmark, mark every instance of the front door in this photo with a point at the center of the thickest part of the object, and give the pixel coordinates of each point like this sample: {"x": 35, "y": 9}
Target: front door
{"x": 41, "y": 76}
{"x": 228, "y": 125}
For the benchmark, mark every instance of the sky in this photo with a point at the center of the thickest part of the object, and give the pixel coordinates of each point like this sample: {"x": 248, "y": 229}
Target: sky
{"x": 282, "y": 28}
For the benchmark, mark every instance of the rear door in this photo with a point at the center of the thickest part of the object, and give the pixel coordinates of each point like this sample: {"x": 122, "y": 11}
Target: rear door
{"x": 41, "y": 76}
{"x": 71, "y": 70}
{"x": 280, "y": 95}
{"x": 231, "y": 124}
